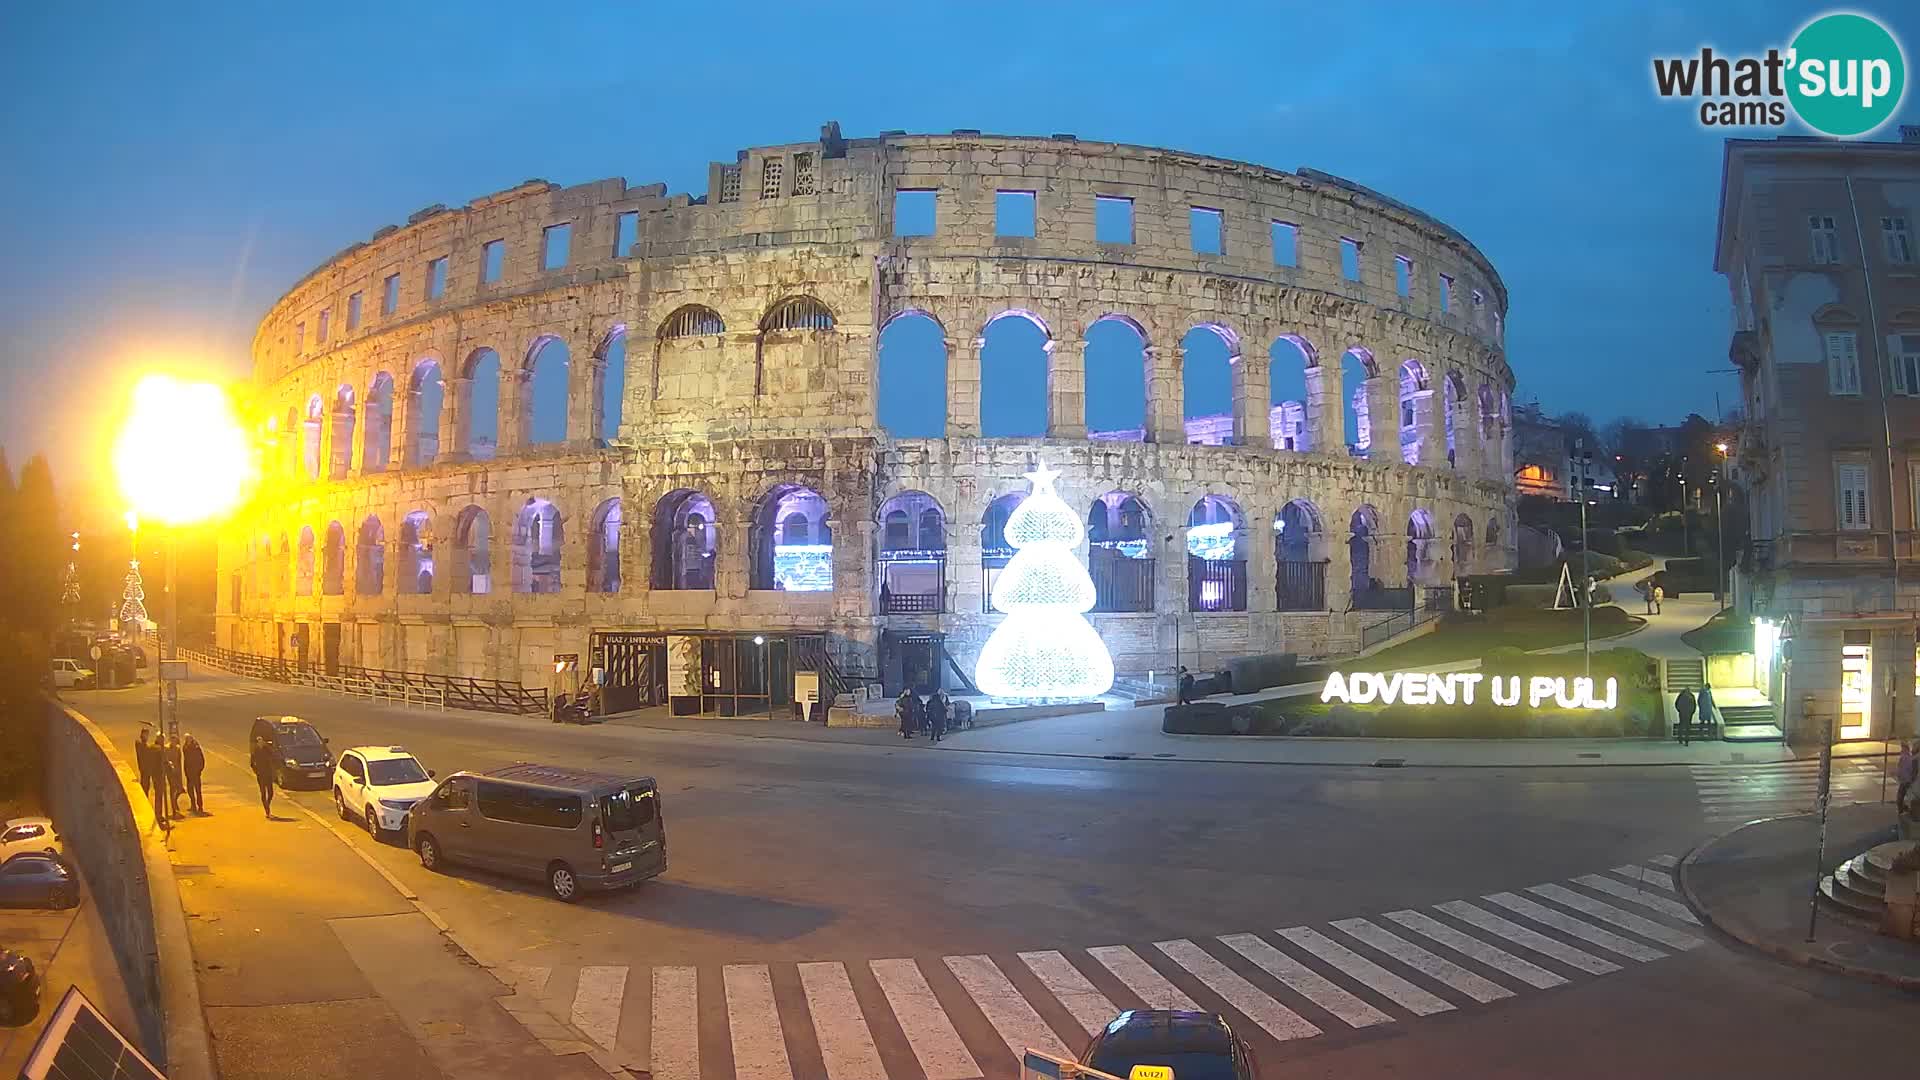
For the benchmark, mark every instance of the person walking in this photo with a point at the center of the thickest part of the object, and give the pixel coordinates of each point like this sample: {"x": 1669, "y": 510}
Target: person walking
{"x": 907, "y": 708}
{"x": 176, "y": 780}
{"x": 1708, "y": 713}
{"x": 1646, "y": 593}
{"x": 194, "y": 758}
{"x": 1905, "y": 773}
{"x": 937, "y": 716}
{"x": 1659, "y": 594}
{"x": 1186, "y": 686}
{"x": 143, "y": 759}
{"x": 1684, "y": 704}
{"x": 263, "y": 766}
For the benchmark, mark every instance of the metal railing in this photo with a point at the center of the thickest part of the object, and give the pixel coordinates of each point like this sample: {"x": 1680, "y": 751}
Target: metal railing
{"x": 1121, "y": 583}
{"x": 918, "y": 603}
{"x": 1301, "y": 585}
{"x": 397, "y": 687}
{"x": 1216, "y": 584}
{"x": 1392, "y": 625}
{"x": 1383, "y": 599}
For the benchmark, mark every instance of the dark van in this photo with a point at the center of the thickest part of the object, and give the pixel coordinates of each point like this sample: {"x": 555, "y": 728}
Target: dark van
{"x": 573, "y": 829}
{"x": 300, "y": 754}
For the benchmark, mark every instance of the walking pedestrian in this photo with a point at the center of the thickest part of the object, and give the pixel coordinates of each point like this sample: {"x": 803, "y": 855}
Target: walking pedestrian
{"x": 263, "y": 769}
{"x": 195, "y": 759}
{"x": 937, "y": 716}
{"x": 907, "y": 708}
{"x": 143, "y": 759}
{"x": 1684, "y": 704}
{"x": 1708, "y": 711}
{"x": 1646, "y": 593}
{"x": 176, "y": 781}
{"x": 1659, "y": 594}
{"x": 1186, "y": 686}
{"x": 1905, "y": 772}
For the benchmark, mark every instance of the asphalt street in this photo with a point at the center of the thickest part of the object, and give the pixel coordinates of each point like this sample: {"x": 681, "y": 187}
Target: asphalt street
{"x": 790, "y": 855}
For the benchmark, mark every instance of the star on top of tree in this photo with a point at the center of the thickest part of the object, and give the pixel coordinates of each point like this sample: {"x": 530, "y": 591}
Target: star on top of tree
{"x": 1042, "y": 477}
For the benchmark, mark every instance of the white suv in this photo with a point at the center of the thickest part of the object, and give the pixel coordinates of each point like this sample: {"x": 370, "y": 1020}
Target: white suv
{"x": 378, "y": 785}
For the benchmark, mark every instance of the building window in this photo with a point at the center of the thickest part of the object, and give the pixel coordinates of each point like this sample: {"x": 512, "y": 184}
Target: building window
{"x": 493, "y": 254}
{"x": 1850, "y": 487}
{"x": 1905, "y": 350}
{"x": 299, "y": 337}
{"x": 1825, "y": 239}
{"x": 436, "y": 278}
{"x": 1856, "y": 683}
{"x": 320, "y": 331}
{"x": 1893, "y": 230}
{"x": 1843, "y": 362}
{"x": 1112, "y": 219}
{"x": 729, "y": 183}
{"x": 1013, "y": 213}
{"x": 913, "y": 213}
{"x": 803, "y": 174}
{"x": 555, "y": 242}
{"x": 1446, "y": 294}
{"x": 1406, "y": 414}
{"x": 626, "y": 232}
{"x": 1205, "y": 231}
{"x": 353, "y": 313}
{"x": 1286, "y": 243}
{"x": 1403, "y": 275}
{"x": 770, "y": 173}
{"x": 1350, "y": 258}
{"x": 390, "y": 295}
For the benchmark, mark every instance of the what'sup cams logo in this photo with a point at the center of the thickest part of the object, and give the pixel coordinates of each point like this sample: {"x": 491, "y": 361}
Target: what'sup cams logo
{"x": 1843, "y": 75}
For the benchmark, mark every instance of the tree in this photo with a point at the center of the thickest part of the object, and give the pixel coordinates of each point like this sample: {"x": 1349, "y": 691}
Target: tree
{"x": 1046, "y": 650}
{"x": 1579, "y": 426}
{"x": 133, "y": 600}
{"x": 39, "y": 549}
{"x": 1633, "y": 447}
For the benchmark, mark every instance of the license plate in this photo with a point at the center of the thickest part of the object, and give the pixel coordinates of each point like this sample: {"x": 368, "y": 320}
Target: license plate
{"x": 620, "y": 867}
{"x": 315, "y": 774}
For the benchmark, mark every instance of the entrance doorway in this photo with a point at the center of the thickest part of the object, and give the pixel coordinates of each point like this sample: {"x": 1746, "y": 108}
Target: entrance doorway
{"x": 636, "y": 667}
{"x": 916, "y": 661}
{"x": 330, "y": 647}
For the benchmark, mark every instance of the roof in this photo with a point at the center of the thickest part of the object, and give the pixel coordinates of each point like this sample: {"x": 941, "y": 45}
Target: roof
{"x": 1169, "y": 1030}
{"x": 1846, "y": 154}
{"x": 558, "y": 776}
{"x": 379, "y": 753}
{"x": 11, "y": 822}
{"x": 278, "y": 721}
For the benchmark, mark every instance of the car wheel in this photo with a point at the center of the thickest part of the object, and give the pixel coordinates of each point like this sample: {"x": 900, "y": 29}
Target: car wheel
{"x": 565, "y": 886}
{"x": 429, "y": 851}
{"x": 373, "y": 825}
{"x": 340, "y": 806}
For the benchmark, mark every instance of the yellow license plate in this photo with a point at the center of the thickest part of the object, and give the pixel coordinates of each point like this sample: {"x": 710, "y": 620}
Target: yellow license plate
{"x": 1150, "y": 1072}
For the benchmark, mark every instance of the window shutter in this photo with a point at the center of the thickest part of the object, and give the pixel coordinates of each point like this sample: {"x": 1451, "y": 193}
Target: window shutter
{"x": 1852, "y": 482}
{"x": 1897, "y": 360}
{"x": 1843, "y": 363}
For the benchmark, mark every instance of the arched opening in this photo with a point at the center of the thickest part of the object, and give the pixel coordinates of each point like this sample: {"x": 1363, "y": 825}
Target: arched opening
{"x": 340, "y": 459}
{"x": 370, "y": 558}
{"x": 689, "y": 360}
{"x": 912, "y": 398}
{"x": 613, "y": 383}
{"x": 1216, "y": 556}
{"x": 995, "y": 551}
{"x": 333, "y": 562}
{"x": 303, "y": 572}
{"x": 1300, "y": 551}
{"x": 603, "y": 548}
{"x": 1356, "y": 367}
{"x": 291, "y": 439}
{"x": 1494, "y": 556}
{"x": 792, "y": 541}
{"x": 1413, "y": 382}
{"x": 1456, "y": 407}
{"x": 1462, "y": 548}
{"x": 310, "y": 436}
{"x": 685, "y": 539}
{"x": 1287, "y": 396}
{"x": 426, "y": 390}
{"x": 1116, "y": 380}
{"x": 376, "y": 442}
{"x": 416, "y": 554}
{"x": 692, "y": 320}
{"x": 473, "y": 545}
{"x": 1489, "y": 414}
{"x": 1120, "y": 552}
{"x": 546, "y": 400}
{"x": 1207, "y": 355}
{"x": 283, "y": 567}
{"x": 536, "y": 547}
{"x": 483, "y": 404}
{"x": 1363, "y": 532}
{"x": 1014, "y": 357}
{"x": 913, "y": 555}
{"x": 1422, "y": 567}
{"x": 795, "y": 338}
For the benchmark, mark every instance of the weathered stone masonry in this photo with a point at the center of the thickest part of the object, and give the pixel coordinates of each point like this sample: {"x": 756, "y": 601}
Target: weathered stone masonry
{"x": 734, "y": 411}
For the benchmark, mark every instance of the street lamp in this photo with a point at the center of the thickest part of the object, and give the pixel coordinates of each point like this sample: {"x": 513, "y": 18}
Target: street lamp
{"x": 1719, "y": 523}
{"x": 766, "y": 670}
{"x": 1582, "y": 480}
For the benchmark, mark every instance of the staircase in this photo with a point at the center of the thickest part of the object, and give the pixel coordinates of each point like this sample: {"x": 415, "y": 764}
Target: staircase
{"x": 1139, "y": 691}
{"x": 1748, "y": 723}
{"x": 1857, "y": 888}
{"x": 1686, "y": 674}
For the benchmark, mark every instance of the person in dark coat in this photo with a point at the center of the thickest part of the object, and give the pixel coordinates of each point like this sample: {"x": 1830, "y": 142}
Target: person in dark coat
{"x": 143, "y": 758}
{"x": 194, "y": 758}
{"x": 1684, "y": 704}
{"x": 1707, "y": 711}
{"x": 937, "y": 716}
{"x": 907, "y": 708}
{"x": 263, "y": 768}
{"x": 176, "y": 779}
{"x": 1186, "y": 687}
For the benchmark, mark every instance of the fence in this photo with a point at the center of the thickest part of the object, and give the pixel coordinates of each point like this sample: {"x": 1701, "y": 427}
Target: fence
{"x": 1383, "y": 599}
{"x": 1301, "y": 586}
{"x": 394, "y": 687}
{"x": 895, "y": 602}
{"x": 1216, "y": 584}
{"x": 1120, "y": 583}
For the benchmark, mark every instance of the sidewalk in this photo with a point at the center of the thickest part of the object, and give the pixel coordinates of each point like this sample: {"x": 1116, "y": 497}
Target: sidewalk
{"x": 1754, "y": 884}
{"x": 68, "y": 948}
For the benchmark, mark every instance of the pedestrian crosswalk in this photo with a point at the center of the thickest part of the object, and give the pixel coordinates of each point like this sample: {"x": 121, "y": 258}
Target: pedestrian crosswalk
{"x": 970, "y": 1017}
{"x": 1729, "y": 793}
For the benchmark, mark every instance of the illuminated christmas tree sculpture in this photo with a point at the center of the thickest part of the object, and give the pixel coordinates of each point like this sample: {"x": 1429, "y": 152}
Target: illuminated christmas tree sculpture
{"x": 1045, "y": 650}
{"x": 133, "y": 601}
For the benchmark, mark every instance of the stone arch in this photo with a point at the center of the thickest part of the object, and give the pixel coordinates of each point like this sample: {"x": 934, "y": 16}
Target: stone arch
{"x": 1356, "y": 367}
{"x": 283, "y": 567}
{"x": 610, "y": 366}
{"x": 1208, "y": 354}
{"x": 1016, "y": 348}
{"x": 1216, "y": 555}
{"x": 912, "y": 560}
{"x": 1300, "y": 557}
{"x": 1421, "y": 563}
{"x": 911, "y": 401}
{"x": 538, "y": 536}
{"x": 370, "y": 558}
{"x": 473, "y": 551}
{"x": 797, "y": 313}
{"x": 796, "y": 320}
{"x": 1461, "y": 549}
{"x": 995, "y": 550}
{"x": 1492, "y": 553}
{"x": 340, "y": 436}
{"x": 1489, "y": 412}
{"x": 1121, "y": 552}
{"x": 292, "y": 437}
{"x": 603, "y": 548}
{"x": 785, "y": 557}
{"x": 1363, "y": 534}
{"x": 543, "y": 414}
{"x": 686, "y": 349}
{"x": 1456, "y": 404}
{"x": 1413, "y": 383}
{"x": 426, "y": 396}
{"x": 333, "y": 561}
{"x": 691, "y": 320}
{"x": 376, "y": 436}
{"x": 481, "y": 409}
{"x": 1115, "y": 380}
{"x": 686, "y": 539}
{"x": 303, "y": 571}
{"x": 310, "y": 436}
{"x": 1290, "y": 388}
{"x": 416, "y": 554}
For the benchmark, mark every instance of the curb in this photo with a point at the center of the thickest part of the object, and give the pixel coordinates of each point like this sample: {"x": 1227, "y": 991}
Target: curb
{"x": 1788, "y": 954}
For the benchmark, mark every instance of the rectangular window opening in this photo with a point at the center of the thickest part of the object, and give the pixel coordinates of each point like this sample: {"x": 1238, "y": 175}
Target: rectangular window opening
{"x": 555, "y": 240}
{"x": 493, "y": 254}
{"x": 1112, "y": 219}
{"x": 913, "y": 212}
{"x": 1899, "y": 242}
{"x": 326, "y": 324}
{"x": 353, "y": 312}
{"x": 1850, "y": 489}
{"x": 1906, "y": 364}
{"x": 1403, "y": 275}
{"x": 626, "y": 233}
{"x": 729, "y": 183}
{"x": 390, "y": 295}
{"x": 1843, "y": 362}
{"x": 771, "y": 170}
{"x": 1013, "y": 213}
{"x": 1446, "y": 294}
{"x": 437, "y": 278}
{"x": 300, "y": 337}
{"x": 1207, "y": 230}
{"x": 1286, "y": 243}
{"x": 1824, "y": 239}
{"x": 1350, "y": 258}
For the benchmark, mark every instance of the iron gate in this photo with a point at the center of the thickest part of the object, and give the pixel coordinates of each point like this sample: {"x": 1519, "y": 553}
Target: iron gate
{"x": 636, "y": 670}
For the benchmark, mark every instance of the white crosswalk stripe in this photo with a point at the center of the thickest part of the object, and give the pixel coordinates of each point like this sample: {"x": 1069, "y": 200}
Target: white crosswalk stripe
{"x": 1745, "y": 792}
{"x": 1664, "y": 860}
{"x": 1672, "y": 909}
{"x": 1356, "y": 970}
{"x": 1419, "y": 959}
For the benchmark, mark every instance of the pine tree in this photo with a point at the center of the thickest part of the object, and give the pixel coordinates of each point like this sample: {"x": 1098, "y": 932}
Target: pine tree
{"x": 1045, "y": 650}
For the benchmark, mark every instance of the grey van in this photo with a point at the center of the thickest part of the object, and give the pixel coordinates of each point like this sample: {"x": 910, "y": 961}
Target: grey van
{"x": 573, "y": 829}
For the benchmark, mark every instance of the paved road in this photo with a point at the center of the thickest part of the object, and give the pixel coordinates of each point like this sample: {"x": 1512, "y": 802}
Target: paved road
{"x": 836, "y": 909}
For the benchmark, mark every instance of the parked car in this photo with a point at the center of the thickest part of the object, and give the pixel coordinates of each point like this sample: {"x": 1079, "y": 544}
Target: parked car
{"x": 28, "y": 834}
{"x": 574, "y": 830}
{"x": 300, "y": 754}
{"x": 37, "y": 879}
{"x": 379, "y": 785}
{"x": 1189, "y": 1045}
{"x": 69, "y": 674}
{"x": 19, "y": 988}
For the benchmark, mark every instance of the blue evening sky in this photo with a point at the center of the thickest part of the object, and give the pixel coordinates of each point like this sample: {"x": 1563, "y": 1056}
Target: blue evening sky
{"x": 172, "y": 168}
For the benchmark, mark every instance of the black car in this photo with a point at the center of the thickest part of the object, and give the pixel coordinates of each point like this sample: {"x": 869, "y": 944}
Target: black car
{"x": 37, "y": 879}
{"x": 1190, "y": 1045}
{"x": 19, "y": 988}
{"x": 300, "y": 754}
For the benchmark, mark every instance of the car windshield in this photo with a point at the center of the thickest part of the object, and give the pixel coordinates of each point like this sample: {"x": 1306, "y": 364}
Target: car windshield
{"x": 628, "y": 809}
{"x": 402, "y": 770}
{"x": 299, "y": 738}
{"x": 1193, "y": 1066}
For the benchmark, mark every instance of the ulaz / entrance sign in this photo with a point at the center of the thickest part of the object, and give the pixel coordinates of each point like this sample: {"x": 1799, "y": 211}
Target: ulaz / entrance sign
{"x": 1460, "y": 688}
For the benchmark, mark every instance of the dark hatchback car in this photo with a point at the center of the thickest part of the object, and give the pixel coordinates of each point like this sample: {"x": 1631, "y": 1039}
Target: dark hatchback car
{"x": 1191, "y": 1045}
{"x": 36, "y": 879}
{"x": 300, "y": 754}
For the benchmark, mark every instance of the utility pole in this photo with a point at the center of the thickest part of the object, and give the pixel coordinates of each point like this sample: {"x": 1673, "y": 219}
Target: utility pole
{"x": 1583, "y": 467}
{"x": 1720, "y": 523}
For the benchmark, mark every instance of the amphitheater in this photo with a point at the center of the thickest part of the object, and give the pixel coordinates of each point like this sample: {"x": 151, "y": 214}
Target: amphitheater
{"x": 679, "y": 437}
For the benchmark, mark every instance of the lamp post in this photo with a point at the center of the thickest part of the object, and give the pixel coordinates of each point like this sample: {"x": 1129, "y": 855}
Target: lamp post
{"x": 1719, "y": 523}
{"x": 1167, "y": 545}
{"x": 766, "y": 670}
{"x": 1582, "y": 480}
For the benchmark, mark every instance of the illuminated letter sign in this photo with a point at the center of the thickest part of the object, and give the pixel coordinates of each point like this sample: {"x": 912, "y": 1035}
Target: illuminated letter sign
{"x": 1462, "y": 687}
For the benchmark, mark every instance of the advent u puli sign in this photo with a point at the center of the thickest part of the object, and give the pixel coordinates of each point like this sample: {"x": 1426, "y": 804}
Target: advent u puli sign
{"x": 1464, "y": 688}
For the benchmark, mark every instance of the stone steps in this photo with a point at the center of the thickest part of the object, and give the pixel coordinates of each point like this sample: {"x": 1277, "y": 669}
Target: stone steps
{"x": 1857, "y": 888}
{"x": 1691, "y": 674}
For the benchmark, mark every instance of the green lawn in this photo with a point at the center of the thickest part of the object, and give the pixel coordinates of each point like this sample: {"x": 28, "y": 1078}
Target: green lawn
{"x": 1469, "y": 636}
{"x": 1728, "y": 632}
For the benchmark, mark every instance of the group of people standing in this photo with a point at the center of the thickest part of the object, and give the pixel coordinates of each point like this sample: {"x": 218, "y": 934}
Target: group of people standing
{"x": 934, "y": 715}
{"x": 1686, "y": 704}
{"x": 170, "y": 766}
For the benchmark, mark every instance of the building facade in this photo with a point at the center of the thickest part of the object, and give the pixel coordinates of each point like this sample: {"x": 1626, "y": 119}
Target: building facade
{"x": 607, "y": 421}
{"x": 1816, "y": 239}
